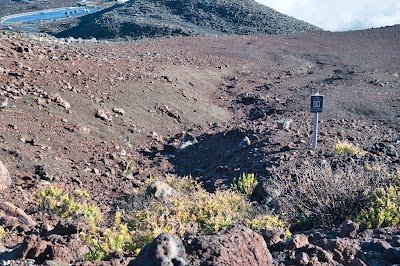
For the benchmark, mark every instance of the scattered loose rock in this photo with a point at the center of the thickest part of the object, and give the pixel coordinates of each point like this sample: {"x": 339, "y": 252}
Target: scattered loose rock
{"x": 119, "y": 111}
{"x": 4, "y": 103}
{"x": 104, "y": 115}
{"x": 296, "y": 242}
{"x": 164, "y": 250}
{"x": 159, "y": 190}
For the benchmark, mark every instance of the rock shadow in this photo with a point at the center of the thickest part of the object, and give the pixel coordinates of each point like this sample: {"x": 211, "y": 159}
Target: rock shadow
{"x": 215, "y": 159}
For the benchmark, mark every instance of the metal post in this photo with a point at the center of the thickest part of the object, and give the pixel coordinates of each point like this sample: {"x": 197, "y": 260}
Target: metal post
{"x": 315, "y": 131}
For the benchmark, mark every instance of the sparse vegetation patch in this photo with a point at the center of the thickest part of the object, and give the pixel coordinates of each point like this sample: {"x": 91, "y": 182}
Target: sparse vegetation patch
{"x": 324, "y": 196}
{"x": 196, "y": 211}
{"x": 345, "y": 148}
{"x": 68, "y": 205}
{"x": 246, "y": 183}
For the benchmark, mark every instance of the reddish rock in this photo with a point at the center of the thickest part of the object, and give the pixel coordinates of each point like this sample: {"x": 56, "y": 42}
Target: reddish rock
{"x": 343, "y": 250}
{"x": 60, "y": 252}
{"x": 321, "y": 254}
{"x": 302, "y": 259}
{"x": 235, "y": 245}
{"x": 349, "y": 229}
{"x": 273, "y": 238}
{"x": 296, "y": 241}
{"x": 33, "y": 247}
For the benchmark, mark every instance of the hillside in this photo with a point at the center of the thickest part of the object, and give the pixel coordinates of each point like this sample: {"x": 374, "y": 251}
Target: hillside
{"x": 144, "y": 18}
{"x": 86, "y": 127}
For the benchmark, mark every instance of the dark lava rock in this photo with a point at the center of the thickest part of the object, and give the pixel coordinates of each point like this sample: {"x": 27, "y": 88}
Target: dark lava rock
{"x": 349, "y": 229}
{"x": 235, "y": 245}
{"x": 164, "y": 250}
{"x": 145, "y": 18}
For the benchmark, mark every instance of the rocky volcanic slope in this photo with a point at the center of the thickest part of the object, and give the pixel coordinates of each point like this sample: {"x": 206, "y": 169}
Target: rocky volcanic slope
{"x": 145, "y": 18}
{"x": 78, "y": 114}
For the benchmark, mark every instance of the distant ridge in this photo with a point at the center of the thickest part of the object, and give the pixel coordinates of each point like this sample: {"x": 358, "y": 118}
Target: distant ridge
{"x": 137, "y": 19}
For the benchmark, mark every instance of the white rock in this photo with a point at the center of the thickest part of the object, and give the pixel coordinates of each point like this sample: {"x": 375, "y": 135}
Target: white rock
{"x": 4, "y": 103}
{"x": 245, "y": 142}
{"x": 5, "y": 178}
{"x": 102, "y": 114}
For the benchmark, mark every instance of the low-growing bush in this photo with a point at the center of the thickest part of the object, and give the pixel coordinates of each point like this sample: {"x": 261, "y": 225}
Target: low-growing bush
{"x": 68, "y": 205}
{"x": 1, "y": 232}
{"x": 322, "y": 196}
{"x": 196, "y": 211}
{"x": 116, "y": 238}
{"x": 267, "y": 222}
{"x": 383, "y": 209}
{"x": 246, "y": 183}
{"x": 73, "y": 206}
{"x": 345, "y": 148}
{"x": 190, "y": 210}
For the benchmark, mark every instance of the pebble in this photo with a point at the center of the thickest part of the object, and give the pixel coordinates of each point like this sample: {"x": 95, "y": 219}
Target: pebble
{"x": 245, "y": 142}
{"x": 103, "y": 115}
{"x": 119, "y": 111}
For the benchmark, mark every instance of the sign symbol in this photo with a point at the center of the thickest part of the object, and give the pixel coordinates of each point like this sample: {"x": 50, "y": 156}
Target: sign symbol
{"x": 317, "y": 104}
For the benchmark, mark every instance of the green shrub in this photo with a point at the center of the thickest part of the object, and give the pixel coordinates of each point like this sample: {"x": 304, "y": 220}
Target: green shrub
{"x": 383, "y": 209}
{"x": 74, "y": 206}
{"x": 344, "y": 148}
{"x": 191, "y": 210}
{"x": 68, "y": 205}
{"x": 117, "y": 238}
{"x": 184, "y": 184}
{"x": 196, "y": 211}
{"x": 1, "y": 232}
{"x": 246, "y": 183}
{"x": 267, "y": 222}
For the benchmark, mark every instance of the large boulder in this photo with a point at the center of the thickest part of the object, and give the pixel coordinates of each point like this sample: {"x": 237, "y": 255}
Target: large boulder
{"x": 235, "y": 245}
{"x": 164, "y": 250}
{"x": 5, "y": 178}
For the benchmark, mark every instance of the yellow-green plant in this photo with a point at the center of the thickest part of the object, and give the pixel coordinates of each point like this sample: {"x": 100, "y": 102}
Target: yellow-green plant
{"x": 268, "y": 222}
{"x": 383, "y": 208}
{"x": 246, "y": 183}
{"x": 191, "y": 210}
{"x": 195, "y": 211}
{"x": 184, "y": 184}
{"x": 345, "y": 148}
{"x": 1, "y": 232}
{"x": 117, "y": 238}
{"x": 68, "y": 205}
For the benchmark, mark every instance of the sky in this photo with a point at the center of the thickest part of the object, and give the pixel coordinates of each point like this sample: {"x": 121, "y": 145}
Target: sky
{"x": 340, "y": 15}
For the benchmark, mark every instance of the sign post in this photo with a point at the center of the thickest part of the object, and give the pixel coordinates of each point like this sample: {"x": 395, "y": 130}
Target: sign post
{"x": 316, "y": 107}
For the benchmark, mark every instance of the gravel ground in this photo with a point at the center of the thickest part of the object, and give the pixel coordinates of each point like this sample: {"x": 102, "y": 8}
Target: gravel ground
{"x": 79, "y": 111}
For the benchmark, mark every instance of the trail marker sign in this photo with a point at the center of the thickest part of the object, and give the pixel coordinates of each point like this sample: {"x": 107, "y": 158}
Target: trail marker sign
{"x": 317, "y": 102}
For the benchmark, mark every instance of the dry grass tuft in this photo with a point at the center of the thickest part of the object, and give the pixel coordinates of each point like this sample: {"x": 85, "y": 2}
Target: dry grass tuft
{"x": 323, "y": 196}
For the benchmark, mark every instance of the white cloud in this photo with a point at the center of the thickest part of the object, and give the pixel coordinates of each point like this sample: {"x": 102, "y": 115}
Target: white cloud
{"x": 340, "y": 15}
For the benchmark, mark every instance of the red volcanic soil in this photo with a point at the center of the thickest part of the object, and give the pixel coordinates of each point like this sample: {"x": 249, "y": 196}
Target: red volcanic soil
{"x": 80, "y": 111}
